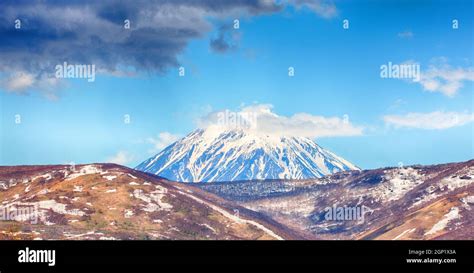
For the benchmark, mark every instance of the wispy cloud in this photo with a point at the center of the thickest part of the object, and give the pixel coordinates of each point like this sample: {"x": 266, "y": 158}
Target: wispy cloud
{"x": 445, "y": 79}
{"x": 162, "y": 141}
{"x": 261, "y": 118}
{"x": 23, "y": 82}
{"x": 437, "y": 120}
{"x": 323, "y": 8}
{"x": 121, "y": 158}
{"x": 440, "y": 77}
{"x": 18, "y": 82}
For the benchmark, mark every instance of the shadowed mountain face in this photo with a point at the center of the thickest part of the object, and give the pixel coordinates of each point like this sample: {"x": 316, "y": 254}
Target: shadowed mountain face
{"x": 418, "y": 202}
{"x": 228, "y": 155}
{"x": 107, "y": 201}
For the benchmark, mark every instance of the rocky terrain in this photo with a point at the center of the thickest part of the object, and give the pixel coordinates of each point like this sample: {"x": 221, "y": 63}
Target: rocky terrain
{"x": 108, "y": 201}
{"x": 416, "y": 202}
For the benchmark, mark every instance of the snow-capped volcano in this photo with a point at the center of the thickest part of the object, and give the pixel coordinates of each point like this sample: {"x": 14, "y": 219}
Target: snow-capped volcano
{"x": 212, "y": 155}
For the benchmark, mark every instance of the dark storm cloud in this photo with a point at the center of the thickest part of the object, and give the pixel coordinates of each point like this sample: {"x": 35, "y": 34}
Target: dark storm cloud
{"x": 226, "y": 39}
{"x": 92, "y": 32}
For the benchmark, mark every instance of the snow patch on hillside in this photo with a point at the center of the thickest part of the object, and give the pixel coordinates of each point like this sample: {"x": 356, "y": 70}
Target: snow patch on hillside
{"x": 152, "y": 200}
{"x": 443, "y": 223}
{"x": 396, "y": 183}
{"x": 85, "y": 170}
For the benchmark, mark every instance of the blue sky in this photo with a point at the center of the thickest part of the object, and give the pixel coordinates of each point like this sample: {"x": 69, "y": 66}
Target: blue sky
{"x": 337, "y": 73}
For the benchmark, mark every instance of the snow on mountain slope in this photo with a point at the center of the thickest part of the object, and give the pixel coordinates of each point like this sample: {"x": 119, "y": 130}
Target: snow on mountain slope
{"x": 228, "y": 155}
{"x": 112, "y": 202}
{"x": 408, "y": 203}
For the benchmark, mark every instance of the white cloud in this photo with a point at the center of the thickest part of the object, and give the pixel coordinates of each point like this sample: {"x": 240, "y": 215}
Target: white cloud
{"x": 162, "y": 141}
{"x": 19, "y": 82}
{"x": 260, "y": 118}
{"x": 322, "y": 8}
{"x": 23, "y": 82}
{"x": 445, "y": 79}
{"x": 437, "y": 120}
{"x": 121, "y": 158}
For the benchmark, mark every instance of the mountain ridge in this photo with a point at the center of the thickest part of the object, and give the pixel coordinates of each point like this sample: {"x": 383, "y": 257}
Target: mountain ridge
{"x": 113, "y": 202}
{"x": 214, "y": 155}
{"x": 109, "y": 201}
{"x": 409, "y": 203}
